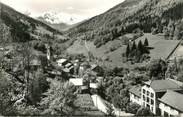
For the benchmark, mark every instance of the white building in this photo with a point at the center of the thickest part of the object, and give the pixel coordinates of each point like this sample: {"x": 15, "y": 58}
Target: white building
{"x": 171, "y": 104}
{"x": 135, "y": 95}
{"x": 62, "y": 62}
{"x": 94, "y": 85}
{"x": 151, "y": 91}
{"x": 76, "y": 81}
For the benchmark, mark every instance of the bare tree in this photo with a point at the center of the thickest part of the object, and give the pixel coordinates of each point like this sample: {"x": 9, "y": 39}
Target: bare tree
{"x": 26, "y": 59}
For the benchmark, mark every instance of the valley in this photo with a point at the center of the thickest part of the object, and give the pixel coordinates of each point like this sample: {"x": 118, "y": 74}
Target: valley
{"x": 125, "y": 62}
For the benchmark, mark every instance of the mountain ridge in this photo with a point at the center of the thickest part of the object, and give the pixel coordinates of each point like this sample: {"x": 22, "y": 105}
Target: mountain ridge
{"x": 55, "y": 17}
{"x": 127, "y": 16}
{"x": 22, "y": 23}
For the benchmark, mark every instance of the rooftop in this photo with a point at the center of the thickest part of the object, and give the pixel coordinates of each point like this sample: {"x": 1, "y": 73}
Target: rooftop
{"x": 35, "y": 62}
{"x": 135, "y": 90}
{"x": 164, "y": 85}
{"x": 93, "y": 66}
{"x": 76, "y": 81}
{"x": 173, "y": 99}
{"x": 68, "y": 65}
{"x": 61, "y": 60}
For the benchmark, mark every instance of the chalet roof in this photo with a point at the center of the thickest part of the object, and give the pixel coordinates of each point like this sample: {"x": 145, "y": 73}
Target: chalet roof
{"x": 66, "y": 70}
{"x": 61, "y": 61}
{"x": 173, "y": 99}
{"x": 35, "y": 62}
{"x": 163, "y": 85}
{"x": 76, "y": 81}
{"x": 93, "y": 66}
{"x": 135, "y": 90}
{"x": 68, "y": 65}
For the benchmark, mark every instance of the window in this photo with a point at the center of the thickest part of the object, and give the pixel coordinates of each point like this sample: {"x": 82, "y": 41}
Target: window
{"x": 148, "y": 93}
{"x": 171, "y": 109}
{"x": 148, "y": 99}
{"x": 152, "y": 95}
{"x": 144, "y": 91}
{"x": 152, "y": 102}
{"x": 165, "y": 114}
{"x": 143, "y": 97}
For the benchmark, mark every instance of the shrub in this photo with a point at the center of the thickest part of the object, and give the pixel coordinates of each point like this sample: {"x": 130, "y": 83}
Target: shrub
{"x": 59, "y": 99}
{"x": 144, "y": 112}
{"x": 133, "y": 108}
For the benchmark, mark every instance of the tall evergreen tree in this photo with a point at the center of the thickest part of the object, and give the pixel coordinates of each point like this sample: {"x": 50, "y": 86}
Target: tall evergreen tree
{"x": 134, "y": 46}
{"x": 146, "y": 43}
{"x": 140, "y": 47}
{"x": 127, "y": 50}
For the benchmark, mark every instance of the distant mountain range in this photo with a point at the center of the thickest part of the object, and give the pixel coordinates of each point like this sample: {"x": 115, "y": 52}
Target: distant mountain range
{"x": 55, "y": 17}
{"x": 59, "y": 20}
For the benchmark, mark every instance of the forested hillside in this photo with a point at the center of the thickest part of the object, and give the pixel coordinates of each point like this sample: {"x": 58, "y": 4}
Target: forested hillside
{"x": 21, "y": 29}
{"x": 20, "y": 24}
{"x": 157, "y": 16}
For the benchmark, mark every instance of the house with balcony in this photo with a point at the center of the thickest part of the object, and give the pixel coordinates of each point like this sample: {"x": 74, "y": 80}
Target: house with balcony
{"x": 150, "y": 92}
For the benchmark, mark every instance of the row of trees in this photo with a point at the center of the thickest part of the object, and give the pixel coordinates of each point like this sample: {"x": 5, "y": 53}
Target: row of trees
{"x": 135, "y": 52}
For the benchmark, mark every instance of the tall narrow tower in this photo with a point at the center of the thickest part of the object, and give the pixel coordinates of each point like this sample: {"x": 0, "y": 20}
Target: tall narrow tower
{"x": 49, "y": 54}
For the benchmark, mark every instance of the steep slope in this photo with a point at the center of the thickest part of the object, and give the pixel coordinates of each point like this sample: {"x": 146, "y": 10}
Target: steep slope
{"x": 113, "y": 15}
{"x": 21, "y": 25}
{"x": 128, "y": 16}
{"x": 106, "y": 35}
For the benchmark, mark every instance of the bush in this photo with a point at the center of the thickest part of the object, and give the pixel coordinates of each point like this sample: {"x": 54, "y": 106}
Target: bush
{"x": 25, "y": 110}
{"x": 6, "y": 105}
{"x": 133, "y": 108}
{"x": 59, "y": 99}
{"x": 144, "y": 112}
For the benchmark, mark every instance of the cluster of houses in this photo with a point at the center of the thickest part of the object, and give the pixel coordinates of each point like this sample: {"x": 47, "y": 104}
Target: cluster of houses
{"x": 72, "y": 70}
{"x": 78, "y": 70}
{"x": 163, "y": 97}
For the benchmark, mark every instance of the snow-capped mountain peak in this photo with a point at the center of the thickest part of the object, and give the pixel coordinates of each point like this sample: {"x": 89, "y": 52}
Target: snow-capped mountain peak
{"x": 55, "y": 17}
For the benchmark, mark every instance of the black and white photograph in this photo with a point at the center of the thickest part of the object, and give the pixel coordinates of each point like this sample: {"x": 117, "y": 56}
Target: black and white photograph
{"x": 91, "y": 58}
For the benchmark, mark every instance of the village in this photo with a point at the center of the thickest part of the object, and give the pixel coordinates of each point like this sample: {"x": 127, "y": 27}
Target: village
{"x": 156, "y": 95}
{"x": 127, "y": 61}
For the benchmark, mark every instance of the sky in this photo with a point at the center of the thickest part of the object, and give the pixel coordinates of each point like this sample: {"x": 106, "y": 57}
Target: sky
{"x": 85, "y": 8}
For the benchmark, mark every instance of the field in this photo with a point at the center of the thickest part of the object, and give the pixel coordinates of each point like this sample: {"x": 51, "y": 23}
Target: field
{"x": 161, "y": 48}
{"x": 178, "y": 52}
{"x": 111, "y": 58}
